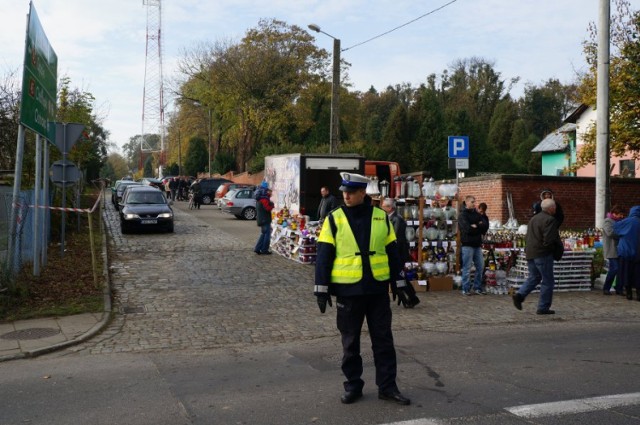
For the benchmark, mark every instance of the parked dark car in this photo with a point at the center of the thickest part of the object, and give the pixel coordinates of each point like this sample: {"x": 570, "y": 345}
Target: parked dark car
{"x": 145, "y": 207}
{"x": 208, "y": 188}
{"x": 241, "y": 203}
{"x": 120, "y": 190}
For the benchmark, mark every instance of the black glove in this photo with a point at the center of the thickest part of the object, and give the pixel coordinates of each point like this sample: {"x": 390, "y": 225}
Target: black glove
{"x": 400, "y": 292}
{"x": 323, "y": 299}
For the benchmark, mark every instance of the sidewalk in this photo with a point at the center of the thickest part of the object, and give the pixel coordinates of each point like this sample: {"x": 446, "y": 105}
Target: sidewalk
{"x": 30, "y": 338}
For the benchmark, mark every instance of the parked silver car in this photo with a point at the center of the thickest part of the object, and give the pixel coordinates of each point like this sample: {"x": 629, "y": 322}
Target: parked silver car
{"x": 240, "y": 202}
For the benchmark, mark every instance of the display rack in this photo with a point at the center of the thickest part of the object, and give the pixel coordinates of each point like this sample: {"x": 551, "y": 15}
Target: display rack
{"x": 572, "y": 273}
{"x": 293, "y": 244}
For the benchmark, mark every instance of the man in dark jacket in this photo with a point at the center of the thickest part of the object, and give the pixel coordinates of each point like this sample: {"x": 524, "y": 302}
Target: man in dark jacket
{"x": 263, "y": 219}
{"x": 327, "y": 204}
{"x": 472, "y": 227}
{"x": 542, "y": 240}
{"x": 357, "y": 259}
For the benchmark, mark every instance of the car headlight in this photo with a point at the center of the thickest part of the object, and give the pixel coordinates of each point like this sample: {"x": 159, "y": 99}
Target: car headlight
{"x": 130, "y": 216}
{"x": 165, "y": 215}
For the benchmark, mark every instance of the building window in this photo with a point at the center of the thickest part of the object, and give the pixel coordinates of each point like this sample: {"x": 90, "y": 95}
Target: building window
{"x": 628, "y": 168}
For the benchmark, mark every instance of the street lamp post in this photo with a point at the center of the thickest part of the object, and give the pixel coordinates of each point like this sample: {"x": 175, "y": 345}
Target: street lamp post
{"x": 209, "y": 143}
{"x": 200, "y": 104}
{"x": 334, "y": 132}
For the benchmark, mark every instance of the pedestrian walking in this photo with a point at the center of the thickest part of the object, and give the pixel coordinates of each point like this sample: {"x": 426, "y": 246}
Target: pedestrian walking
{"x": 543, "y": 245}
{"x": 472, "y": 227}
{"x": 173, "y": 187}
{"x": 610, "y": 250}
{"x": 628, "y": 231}
{"x": 263, "y": 219}
{"x": 196, "y": 190}
{"x": 357, "y": 258}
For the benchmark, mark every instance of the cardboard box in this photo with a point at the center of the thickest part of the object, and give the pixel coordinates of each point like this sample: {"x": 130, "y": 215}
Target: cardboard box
{"x": 419, "y": 286}
{"x": 441, "y": 283}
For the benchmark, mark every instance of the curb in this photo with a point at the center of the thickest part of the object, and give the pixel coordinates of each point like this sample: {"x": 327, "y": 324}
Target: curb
{"x": 97, "y": 328}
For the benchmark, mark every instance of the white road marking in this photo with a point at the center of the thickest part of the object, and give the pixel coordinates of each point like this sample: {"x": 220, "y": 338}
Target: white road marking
{"x": 422, "y": 421}
{"x": 575, "y": 406}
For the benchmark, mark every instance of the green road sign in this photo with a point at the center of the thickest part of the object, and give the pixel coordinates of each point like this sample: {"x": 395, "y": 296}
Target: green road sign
{"x": 39, "y": 81}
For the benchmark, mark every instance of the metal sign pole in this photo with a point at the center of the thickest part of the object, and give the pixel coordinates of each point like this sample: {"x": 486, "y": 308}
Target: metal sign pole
{"x": 46, "y": 220}
{"x": 17, "y": 181}
{"x": 64, "y": 188}
{"x": 36, "y": 208}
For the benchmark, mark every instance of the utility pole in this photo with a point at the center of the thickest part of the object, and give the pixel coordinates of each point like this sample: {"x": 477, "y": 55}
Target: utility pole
{"x": 602, "y": 115}
{"x": 334, "y": 130}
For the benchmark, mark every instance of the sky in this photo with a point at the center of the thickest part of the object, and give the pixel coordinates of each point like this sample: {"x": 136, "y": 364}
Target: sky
{"x": 101, "y": 44}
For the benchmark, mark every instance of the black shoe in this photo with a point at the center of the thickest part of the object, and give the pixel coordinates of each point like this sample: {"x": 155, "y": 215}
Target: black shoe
{"x": 620, "y": 293}
{"x": 257, "y": 252}
{"x": 266, "y": 253}
{"x": 547, "y": 311}
{"x": 517, "y": 300}
{"x": 394, "y": 396}
{"x": 350, "y": 397}
{"x": 606, "y": 293}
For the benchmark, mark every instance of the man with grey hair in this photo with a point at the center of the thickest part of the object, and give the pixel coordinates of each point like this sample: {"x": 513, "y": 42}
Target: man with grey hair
{"x": 399, "y": 226}
{"x": 542, "y": 244}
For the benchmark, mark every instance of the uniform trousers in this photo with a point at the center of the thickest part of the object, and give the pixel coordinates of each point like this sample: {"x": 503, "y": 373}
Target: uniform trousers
{"x": 351, "y": 314}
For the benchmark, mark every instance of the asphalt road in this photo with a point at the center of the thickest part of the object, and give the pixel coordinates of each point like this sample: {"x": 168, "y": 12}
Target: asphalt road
{"x": 240, "y": 342}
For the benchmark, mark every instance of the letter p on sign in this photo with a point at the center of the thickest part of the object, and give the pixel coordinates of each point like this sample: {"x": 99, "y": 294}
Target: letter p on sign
{"x": 458, "y": 146}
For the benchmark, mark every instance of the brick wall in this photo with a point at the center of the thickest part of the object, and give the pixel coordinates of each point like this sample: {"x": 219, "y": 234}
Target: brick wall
{"x": 575, "y": 194}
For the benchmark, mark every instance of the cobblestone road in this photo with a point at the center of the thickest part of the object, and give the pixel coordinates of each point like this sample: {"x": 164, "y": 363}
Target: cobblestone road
{"x": 201, "y": 288}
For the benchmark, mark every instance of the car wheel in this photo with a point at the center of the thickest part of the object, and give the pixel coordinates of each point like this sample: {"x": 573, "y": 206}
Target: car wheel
{"x": 249, "y": 213}
{"x": 206, "y": 199}
{"x": 123, "y": 228}
{"x": 170, "y": 228}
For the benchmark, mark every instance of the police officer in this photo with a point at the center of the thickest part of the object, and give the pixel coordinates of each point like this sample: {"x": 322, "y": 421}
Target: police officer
{"x": 357, "y": 257}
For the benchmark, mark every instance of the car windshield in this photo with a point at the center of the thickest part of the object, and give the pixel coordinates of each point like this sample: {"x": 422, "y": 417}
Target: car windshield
{"x": 146, "y": 198}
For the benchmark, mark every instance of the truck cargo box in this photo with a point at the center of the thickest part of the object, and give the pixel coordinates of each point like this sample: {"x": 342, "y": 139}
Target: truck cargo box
{"x": 296, "y": 179}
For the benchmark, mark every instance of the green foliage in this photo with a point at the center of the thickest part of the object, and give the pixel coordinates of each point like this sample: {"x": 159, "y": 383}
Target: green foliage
{"x": 223, "y": 163}
{"x": 114, "y": 168}
{"x": 197, "y": 157}
{"x": 148, "y": 168}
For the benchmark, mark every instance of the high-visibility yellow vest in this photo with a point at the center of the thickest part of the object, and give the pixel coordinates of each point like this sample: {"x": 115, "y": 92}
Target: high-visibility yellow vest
{"x": 347, "y": 266}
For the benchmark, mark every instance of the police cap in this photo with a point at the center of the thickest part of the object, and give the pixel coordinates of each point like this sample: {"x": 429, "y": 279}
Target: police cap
{"x": 352, "y": 182}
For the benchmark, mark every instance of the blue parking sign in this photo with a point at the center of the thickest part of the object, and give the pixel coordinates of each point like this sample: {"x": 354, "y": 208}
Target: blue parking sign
{"x": 458, "y": 146}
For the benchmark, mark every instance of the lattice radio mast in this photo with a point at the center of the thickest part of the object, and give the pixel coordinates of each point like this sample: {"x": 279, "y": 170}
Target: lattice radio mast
{"x": 152, "y": 135}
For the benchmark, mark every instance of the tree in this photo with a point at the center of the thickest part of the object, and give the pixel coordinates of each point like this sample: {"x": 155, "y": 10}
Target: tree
{"x": 115, "y": 167}
{"x": 77, "y": 106}
{"x": 428, "y": 145}
{"x": 9, "y": 118}
{"x": 624, "y": 85}
{"x": 197, "y": 157}
{"x": 254, "y": 83}
{"x": 501, "y": 125}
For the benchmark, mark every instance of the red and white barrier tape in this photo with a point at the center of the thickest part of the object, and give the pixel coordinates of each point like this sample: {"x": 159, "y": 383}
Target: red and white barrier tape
{"x": 87, "y": 210}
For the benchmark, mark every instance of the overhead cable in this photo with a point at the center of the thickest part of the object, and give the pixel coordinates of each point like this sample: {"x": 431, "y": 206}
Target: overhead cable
{"x": 403, "y": 25}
